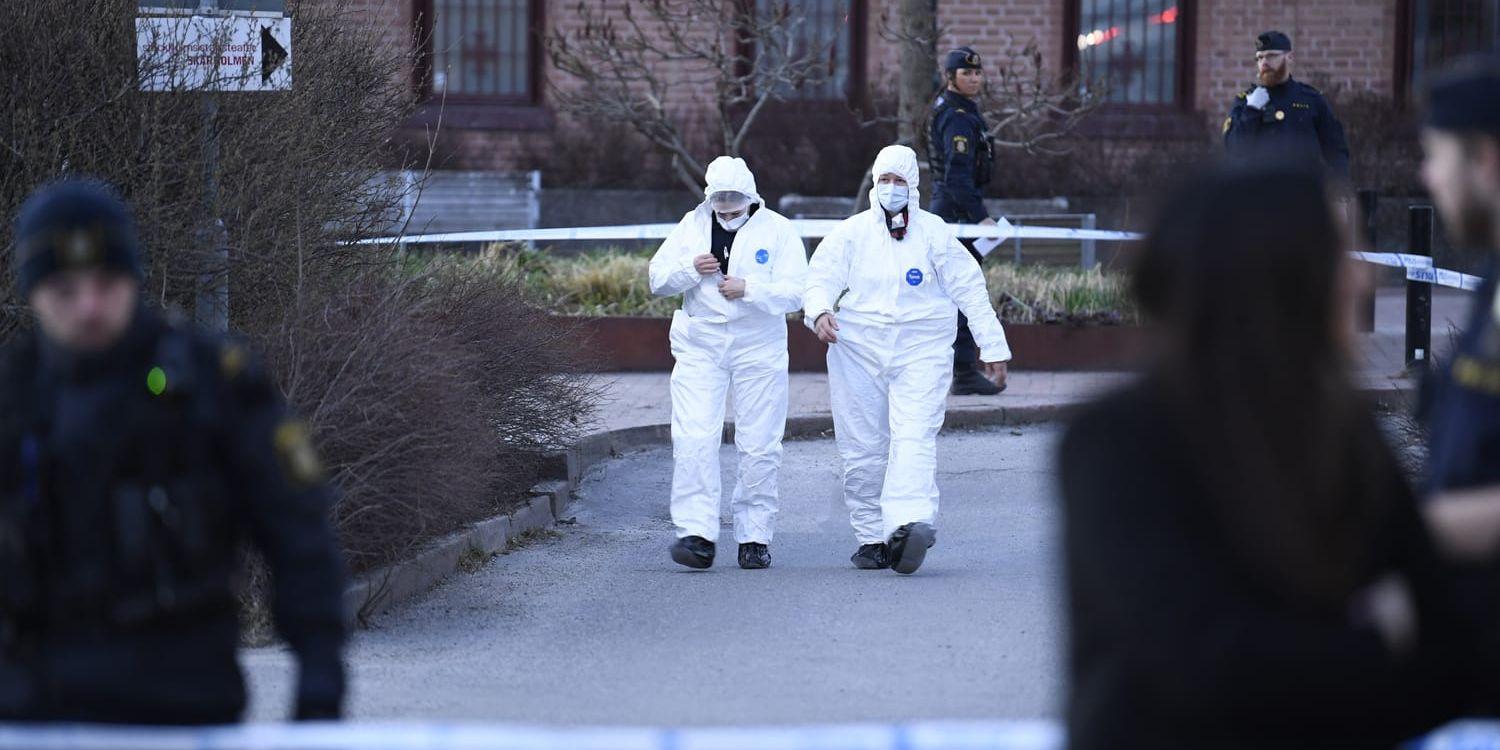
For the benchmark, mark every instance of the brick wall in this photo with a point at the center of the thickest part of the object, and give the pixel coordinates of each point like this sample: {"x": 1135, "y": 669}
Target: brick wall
{"x": 1338, "y": 43}
{"x": 1346, "y": 43}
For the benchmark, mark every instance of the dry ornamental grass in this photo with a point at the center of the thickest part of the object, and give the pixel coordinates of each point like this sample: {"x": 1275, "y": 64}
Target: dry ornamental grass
{"x": 614, "y": 283}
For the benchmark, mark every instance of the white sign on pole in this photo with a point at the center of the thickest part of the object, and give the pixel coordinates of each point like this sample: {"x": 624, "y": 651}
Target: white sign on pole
{"x": 214, "y": 53}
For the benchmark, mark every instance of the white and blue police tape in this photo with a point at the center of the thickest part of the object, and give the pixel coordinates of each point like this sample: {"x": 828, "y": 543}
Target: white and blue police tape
{"x": 998, "y": 735}
{"x": 1420, "y": 268}
{"x": 811, "y": 228}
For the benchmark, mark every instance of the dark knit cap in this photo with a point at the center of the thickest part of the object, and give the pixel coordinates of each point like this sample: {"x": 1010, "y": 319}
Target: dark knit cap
{"x": 74, "y": 224}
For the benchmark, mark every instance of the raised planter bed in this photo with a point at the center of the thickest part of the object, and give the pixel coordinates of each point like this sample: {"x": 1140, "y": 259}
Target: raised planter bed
{"x": 641, "y": 345}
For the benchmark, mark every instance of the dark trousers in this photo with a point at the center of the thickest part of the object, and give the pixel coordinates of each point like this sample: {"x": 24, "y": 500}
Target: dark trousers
{"x": 965, "y": 351}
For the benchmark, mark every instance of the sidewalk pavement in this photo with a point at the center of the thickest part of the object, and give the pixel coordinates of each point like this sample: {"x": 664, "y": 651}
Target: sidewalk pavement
{"x": 643, "y": 399}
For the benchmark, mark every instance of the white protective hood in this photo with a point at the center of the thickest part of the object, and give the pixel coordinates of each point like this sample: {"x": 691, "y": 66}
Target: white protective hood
{"x": 900, "y": 160}
{"x": 730, "y": 173}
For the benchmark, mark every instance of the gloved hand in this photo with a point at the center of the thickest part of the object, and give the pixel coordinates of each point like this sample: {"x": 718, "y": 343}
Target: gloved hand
{"x": 1258, "y": 98}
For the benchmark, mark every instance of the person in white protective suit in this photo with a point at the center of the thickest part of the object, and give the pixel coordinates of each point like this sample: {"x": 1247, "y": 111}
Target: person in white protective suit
{"x": 890, "y": 356}
{"x": 741, "y": 268}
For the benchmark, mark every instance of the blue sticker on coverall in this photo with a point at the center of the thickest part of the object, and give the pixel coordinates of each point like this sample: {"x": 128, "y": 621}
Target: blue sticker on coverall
{"x": 914, "y": 276}
{"x": 762, "y": 256}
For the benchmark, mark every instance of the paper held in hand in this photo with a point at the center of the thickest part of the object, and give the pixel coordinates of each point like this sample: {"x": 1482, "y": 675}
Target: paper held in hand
{"x": 985, "y": 245}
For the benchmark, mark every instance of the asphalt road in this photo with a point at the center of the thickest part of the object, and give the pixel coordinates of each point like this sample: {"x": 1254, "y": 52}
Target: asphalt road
{"x": 598, "y": 626}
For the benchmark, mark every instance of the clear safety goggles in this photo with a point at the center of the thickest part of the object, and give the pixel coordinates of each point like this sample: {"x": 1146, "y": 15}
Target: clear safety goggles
{"x": 728, "y": 201}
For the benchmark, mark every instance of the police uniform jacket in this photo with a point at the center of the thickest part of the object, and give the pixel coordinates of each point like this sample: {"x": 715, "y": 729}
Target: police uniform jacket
{"x": 959, "y": 155}
{"x": 129, "y": 482}
{"x": 1296, "y": 123}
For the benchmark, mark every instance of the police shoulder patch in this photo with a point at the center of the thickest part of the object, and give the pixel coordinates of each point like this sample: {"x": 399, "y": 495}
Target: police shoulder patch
{"x": 298, "y": 458}
{"x": 232, "y": 360}
{"x": 961, "y": 144}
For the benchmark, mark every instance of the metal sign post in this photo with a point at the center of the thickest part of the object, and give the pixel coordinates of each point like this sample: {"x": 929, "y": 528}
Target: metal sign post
{"x": 207, "y": 47}
{"x": 1419, "y": 294}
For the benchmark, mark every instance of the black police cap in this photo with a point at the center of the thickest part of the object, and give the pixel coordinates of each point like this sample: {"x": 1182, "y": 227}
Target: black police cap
{"x": 74, "y": 224}
{"x": 1466, "y": 96}
{"x": 1273, "y": 41}
{"x": 963, "y": 57}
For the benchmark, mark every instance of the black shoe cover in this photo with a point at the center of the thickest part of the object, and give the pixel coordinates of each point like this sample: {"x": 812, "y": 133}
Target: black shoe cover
{"x": 754, "y": 556}
{"x": 871, "y": 557}
{"x": 909, "y": 546}
{"x": 694, "y": 552}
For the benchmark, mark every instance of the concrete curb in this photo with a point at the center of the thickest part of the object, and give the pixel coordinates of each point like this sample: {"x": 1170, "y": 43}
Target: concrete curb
{"x": 380, "y": 590}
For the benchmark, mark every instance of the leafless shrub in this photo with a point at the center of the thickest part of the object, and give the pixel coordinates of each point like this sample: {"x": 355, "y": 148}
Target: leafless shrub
{"x": 432, "y": 398}
{"x": 297, "y": 169}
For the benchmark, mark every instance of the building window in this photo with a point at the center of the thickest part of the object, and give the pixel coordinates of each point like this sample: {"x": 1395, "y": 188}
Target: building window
{"x": 1444, "y": 29}
{"x": 822, "y": 22}
{"x": 1134, "y": 49}
{"x": 480, "y": 50}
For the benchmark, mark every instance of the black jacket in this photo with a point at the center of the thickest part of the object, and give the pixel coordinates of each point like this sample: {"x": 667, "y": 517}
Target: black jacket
{"x": 1175, "y": 644}
{"x": 129, "y": 483}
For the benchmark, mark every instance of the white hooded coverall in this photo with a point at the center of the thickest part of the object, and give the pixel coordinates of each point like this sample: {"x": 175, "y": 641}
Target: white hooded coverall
{"x": 723, "y": 344}
{"x": 890, "y": 370}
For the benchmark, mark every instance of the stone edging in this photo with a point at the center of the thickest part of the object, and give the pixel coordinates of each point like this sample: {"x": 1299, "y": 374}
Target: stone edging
{"x": 378, "y": 591}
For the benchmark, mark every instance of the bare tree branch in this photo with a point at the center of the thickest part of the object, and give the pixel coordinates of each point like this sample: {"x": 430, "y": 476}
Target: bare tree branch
{"x": 742, "y": 53}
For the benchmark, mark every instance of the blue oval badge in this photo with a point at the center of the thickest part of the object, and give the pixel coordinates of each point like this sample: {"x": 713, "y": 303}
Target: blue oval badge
{"x": 914, "y": 276}
{"x": 762, "y": 256}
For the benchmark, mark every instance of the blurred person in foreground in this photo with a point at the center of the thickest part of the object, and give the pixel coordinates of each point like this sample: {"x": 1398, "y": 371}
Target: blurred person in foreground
{"x": 1246, "y": 563}
{"x": 137, "y": 455}
{"x": 1461, "y": 141}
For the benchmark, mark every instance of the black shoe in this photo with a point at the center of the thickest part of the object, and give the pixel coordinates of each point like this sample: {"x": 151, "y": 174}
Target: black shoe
{"x": 694, "y": 552}
{"x": 909, "y": 546}
{"x": 754, "y": 556}
{"x": 972, "y": 383}
{"x": 871, "y": 557}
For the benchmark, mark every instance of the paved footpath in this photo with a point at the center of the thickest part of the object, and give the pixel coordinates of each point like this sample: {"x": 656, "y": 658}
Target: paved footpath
{"x": 596, "y": 626}
{"x": 638, "y": 399}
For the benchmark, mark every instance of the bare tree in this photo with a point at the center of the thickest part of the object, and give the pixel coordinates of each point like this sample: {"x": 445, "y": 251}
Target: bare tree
{"x": 918, "y": 39}
{"x": 1031, "y": 109}
{"x": 745, "y": 54}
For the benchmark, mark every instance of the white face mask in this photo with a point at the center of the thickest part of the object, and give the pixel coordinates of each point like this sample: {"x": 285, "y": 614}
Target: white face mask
{"x": 735, "y": 223}
{"x": 892, "y": 197}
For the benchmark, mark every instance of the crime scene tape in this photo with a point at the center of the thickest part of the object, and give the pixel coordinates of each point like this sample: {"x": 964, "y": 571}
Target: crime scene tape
{"x": 805, "y": 227}
{"x": 1002, "y": 735}
{"x": 1420, "y": 268}
{"x": 955, "y": 735}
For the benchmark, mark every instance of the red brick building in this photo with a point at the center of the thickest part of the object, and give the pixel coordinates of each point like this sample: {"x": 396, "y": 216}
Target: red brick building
{"x": 1175, "y": 64}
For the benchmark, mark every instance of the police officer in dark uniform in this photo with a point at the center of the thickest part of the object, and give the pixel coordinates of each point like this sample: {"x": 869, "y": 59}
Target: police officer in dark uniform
{"x": 1284, "y": 117}
{"x": 137, "y": 455}
{"x": 1461, "y": 168}
{"x": 959, "y": 155}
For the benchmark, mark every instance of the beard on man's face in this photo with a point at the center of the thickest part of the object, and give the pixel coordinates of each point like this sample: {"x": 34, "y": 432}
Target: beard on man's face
{"x": 1273, "y": 76}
